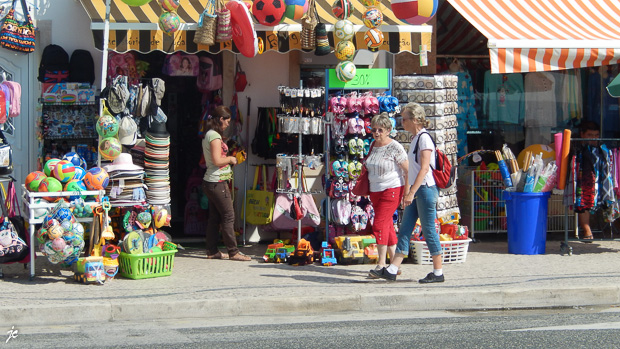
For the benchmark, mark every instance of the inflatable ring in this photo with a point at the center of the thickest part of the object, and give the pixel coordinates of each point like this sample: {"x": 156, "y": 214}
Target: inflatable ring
{"x": 244, "y": 35}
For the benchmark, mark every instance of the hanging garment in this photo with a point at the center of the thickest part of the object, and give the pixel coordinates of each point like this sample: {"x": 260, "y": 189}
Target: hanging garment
{"x": 503, "y": 97}
{"x": 606, "y": 195}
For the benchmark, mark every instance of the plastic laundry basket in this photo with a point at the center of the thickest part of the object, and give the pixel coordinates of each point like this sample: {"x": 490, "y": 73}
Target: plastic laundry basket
{"x": 526, "y": 215}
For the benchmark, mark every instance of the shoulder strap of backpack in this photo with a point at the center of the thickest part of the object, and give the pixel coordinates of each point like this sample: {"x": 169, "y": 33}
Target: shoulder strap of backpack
{"x": 417, "y": 144}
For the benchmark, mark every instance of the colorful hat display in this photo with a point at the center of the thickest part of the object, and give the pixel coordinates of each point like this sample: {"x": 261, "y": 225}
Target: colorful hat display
{"x": 156, "y": 164}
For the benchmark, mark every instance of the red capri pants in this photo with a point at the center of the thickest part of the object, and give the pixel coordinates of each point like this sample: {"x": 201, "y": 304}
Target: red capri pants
{"x": 385, "y": 203}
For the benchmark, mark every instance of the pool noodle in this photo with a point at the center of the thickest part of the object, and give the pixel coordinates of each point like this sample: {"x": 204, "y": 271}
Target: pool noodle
{"x": 564, "y": 159}
{"x": 558, "y": 151}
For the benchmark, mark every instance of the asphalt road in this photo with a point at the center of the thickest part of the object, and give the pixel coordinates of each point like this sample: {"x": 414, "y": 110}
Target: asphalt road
{"x": 571, "y": 328}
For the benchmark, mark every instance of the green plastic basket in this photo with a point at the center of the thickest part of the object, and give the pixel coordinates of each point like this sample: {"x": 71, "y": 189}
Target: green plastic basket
{"x": 146, "y": 265}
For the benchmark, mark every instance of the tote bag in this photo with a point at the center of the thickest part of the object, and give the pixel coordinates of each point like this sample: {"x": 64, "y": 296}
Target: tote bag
{"x": 259, "y": 202}
{"x": 16, "y": 35}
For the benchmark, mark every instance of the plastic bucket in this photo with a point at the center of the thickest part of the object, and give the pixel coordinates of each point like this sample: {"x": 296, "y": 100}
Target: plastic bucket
{"x": 526, "y": 215}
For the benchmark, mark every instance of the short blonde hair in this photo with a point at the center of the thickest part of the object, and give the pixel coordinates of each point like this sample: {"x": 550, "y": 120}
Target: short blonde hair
{"x": 382, "y": 120}
{"x": 416, "y": 112}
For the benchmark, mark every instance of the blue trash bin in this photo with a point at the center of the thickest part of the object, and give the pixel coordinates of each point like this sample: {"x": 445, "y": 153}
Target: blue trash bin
{"x": 526, "y": 219}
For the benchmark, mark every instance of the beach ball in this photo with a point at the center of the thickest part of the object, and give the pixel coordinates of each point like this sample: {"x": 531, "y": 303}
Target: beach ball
{"x": 110, "y": 148}
{"x": 80, "y": 172}
{"x": 414, "y": 11}
{"x": 136, "y": 2}
{"x": 50, "y": 185}
{"x": 345, "y": 71}
{"x": 344, "y": 30}
{"x": 169, "y": 22}
{"x": 369, "y": 3}
{"x": 96, "y": 179}
{"x": 33, "y": 179}
{"x": 268, "y": 12}
{"x": 373, "y": 38}
{"x": 64, "y": 171}
{"x": 74, "y": 158}
{"x": 169, "y": 5}
{"x": 342, "y": 9}
{"x": 107, "y": 126}
{"x": 75, "y": 185}
{"x": 295, "y": 9}
{"x": 345, "y": 50}
{"x": 48, "y": 168}
{"x": 372, "y": 17}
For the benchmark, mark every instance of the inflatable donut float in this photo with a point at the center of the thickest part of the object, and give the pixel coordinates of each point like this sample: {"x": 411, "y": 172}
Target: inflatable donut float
{"x": 244, "y": 35}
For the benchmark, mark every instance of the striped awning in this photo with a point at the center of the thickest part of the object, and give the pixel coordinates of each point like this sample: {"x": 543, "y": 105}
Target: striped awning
{"x": 543, "y": 35}
{"x": 136, "y": 28}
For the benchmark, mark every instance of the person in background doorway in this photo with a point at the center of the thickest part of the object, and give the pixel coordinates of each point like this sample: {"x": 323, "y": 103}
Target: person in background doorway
{"x": 387, "y": 175}
{"x": 215, "y": 186}
{"x": 587, "y": 129}
{"x": 421, "y": 195}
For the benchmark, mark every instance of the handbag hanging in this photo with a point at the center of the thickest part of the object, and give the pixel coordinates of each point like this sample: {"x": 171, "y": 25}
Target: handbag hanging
{"x": 18, "y": 35}
{"x": 224, "y": 27}
{"x": 205, "y": 32}
{"x": 241, "y": 80}
{"x": 308, "y": 23}
{"x": 259, "y": 202}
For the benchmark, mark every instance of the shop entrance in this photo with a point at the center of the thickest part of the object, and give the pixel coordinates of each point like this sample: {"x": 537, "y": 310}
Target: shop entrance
{"x": 19, "y": 130}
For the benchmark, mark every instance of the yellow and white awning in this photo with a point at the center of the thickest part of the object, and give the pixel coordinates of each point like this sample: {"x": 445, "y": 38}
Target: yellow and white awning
{"x": 543, "y": 35}
{"x": 136, "y": 28}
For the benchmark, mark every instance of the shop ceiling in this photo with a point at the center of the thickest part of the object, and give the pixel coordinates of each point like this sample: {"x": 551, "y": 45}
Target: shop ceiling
{"x": 536, "y": 35}
{"x": 136, "y": 28}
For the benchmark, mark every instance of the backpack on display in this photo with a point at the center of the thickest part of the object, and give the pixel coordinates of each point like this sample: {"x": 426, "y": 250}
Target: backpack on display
{"x": 54, "y": 66}
{"x": 6, "y": 156}
{"x": 444, "y": 175}
{"x": 341, "y": 211}
{"x": 118, "y": 95}
{"x": 81, "y": 67}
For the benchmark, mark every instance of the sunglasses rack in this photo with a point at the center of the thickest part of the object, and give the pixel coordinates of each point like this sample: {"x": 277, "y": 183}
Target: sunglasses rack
{"x": 302, "y": 98}
{"x": 438, "y": 95}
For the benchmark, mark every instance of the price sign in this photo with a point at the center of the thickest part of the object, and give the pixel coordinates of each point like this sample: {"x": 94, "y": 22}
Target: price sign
{"x": 364, "y": 79}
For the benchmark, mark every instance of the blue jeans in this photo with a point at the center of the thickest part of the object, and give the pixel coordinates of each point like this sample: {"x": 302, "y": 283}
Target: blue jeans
{"x": 424, "y": 206}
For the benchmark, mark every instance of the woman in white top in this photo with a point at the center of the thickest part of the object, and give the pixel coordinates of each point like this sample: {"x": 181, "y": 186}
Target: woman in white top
{"x": 387, "y": 175}
{"x": 421, "y": 195}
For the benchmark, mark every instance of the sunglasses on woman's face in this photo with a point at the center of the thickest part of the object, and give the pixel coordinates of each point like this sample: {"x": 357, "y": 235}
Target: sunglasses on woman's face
{"x": 377, "y": 130}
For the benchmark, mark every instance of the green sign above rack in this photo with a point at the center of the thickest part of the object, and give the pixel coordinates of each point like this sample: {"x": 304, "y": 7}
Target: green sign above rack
{"x": 366, "y": 79}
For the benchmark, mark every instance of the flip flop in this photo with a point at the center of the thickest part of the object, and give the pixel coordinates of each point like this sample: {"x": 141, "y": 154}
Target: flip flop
{"x": 587, "y": 239}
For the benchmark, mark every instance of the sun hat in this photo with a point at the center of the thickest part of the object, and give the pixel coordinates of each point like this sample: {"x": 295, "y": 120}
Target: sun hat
{"x": 158, "y": 129}
{"x": 128, "y": 131}
{"x": 123, "y": 162}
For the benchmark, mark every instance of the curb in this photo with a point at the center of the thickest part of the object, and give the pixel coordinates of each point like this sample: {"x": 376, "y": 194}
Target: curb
{"x": 427, "y": 300}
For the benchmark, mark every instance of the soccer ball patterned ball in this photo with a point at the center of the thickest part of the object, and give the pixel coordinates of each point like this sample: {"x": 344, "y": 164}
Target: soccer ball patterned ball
{"x": 80, "y": 172}
{"x": 372, "y": 17}
{"x": 345, "y": 71}
{"x": 96, "y": 179}
{"x": 268, "y": 12}
{"x": 373, "y": 38}
{"x": 342, "y": 9}
{"x": 33, "y": 179}
{"x": 345, "y": 50}
{"x": 64, "y": 171}
{"x": 344, "y": 30}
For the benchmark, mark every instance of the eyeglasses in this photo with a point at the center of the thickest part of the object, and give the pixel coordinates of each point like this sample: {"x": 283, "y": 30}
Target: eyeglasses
{"x": 377, "y": 130}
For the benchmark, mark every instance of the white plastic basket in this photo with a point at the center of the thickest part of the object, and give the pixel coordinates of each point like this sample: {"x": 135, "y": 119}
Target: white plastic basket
{"x": 454, "y": 251}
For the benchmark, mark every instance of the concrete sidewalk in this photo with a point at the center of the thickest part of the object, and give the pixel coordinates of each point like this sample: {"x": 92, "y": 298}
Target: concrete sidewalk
{"x": 489, "y": 279}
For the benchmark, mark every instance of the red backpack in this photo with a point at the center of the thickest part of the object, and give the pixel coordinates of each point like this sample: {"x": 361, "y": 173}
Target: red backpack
{"x": 443, "y": 173}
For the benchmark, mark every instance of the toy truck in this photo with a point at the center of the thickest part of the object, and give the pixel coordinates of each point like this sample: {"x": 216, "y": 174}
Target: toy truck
{"x": 283, "y": 253}
{"x": 350, "y": 248}
{"x": 328, "y": 258}
{"x": 270, "y": 254}
{"x": 303, "y": 254}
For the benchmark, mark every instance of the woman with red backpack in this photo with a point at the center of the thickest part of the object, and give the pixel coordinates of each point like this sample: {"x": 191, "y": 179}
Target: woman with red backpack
{"x": 421, "y": 195}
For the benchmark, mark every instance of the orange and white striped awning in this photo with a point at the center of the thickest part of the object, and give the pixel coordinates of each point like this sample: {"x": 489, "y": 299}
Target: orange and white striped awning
{"x": 542, "y": 35}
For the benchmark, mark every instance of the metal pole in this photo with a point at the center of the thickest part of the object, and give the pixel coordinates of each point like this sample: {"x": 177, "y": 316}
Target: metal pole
{"x": 104, "y": 61}
{"x": 247, "y": 166}
{"x": 300, "y": 163}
